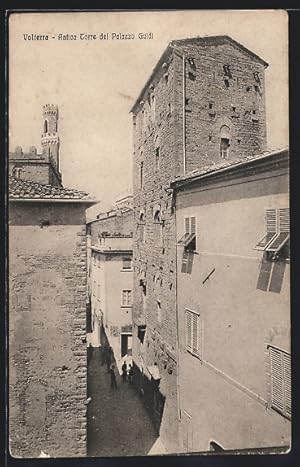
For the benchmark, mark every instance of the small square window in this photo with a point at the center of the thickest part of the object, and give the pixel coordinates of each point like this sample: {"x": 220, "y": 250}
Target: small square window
{"x": 126, "y": 298}
{"x": 127, "y": 263}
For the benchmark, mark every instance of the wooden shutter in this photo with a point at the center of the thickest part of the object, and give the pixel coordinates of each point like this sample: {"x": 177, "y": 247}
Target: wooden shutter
{"x": 193, "y": 225}
{"x": 271, "y": 221}
{"x": 195, "y": 336}
{"x": 277, "y": 389}
{"x": 187, "y": 225}
{"x": 189, "y": 330}
{"x": 281, "y": 381}
{"x": 284, "y": 220}
{"x": 287, "y": 383}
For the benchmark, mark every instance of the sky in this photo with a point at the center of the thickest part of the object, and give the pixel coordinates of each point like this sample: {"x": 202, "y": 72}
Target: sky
{"x": 95, "y": 82}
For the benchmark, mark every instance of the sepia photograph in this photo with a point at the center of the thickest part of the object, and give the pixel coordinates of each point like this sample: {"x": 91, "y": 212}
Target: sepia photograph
{"x": 149, "y": 233}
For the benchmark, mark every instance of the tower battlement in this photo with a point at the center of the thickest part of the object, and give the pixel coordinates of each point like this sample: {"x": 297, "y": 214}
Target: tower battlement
{"x": 50, "y": 109}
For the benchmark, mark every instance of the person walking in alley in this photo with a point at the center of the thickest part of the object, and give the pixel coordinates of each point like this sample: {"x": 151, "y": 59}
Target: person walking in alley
{"x": 109, "y": 358}
{"x": 124, "y": 372}
{"x": 113, "y": 381}
{"x": 130, "y": 374}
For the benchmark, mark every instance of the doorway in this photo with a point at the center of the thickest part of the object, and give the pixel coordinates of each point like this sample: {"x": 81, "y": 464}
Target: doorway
{"x": 126, "y": 344}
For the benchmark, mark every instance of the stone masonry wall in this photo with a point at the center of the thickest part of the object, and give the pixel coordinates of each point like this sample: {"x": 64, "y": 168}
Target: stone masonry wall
{"x": 155, "y": 128}
{"x": 210, "y": 103}
{"x": 47, "y": 349}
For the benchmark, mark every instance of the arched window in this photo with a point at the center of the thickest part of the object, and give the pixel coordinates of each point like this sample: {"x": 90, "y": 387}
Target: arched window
{"x": 157, "y": 227}
{"x": 16, "y": 172}
{"x": 224, "y": 141}
{"x": 141, "y": 227}
{"x": 45, "y": 126}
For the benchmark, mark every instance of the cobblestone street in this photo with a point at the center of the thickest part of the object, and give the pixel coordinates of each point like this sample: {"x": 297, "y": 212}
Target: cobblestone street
{"x": 118, "y": 424}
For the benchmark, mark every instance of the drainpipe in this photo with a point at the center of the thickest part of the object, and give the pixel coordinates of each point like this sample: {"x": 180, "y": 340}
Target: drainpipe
{"x": 183, "y": 114}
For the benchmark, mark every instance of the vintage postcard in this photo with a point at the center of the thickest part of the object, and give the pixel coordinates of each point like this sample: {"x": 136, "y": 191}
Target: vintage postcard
{"x": 149, "y": 307}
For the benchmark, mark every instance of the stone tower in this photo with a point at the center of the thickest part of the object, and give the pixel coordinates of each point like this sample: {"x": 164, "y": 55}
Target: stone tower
{"x": 50, "y": 139}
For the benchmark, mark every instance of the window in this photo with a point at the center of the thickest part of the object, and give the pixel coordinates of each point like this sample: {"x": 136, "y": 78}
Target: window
{"x": 127, "y": 263}
{"x": 157, "y": 159}
{"x": 17, "y": 172}
{"x": 224, "y": 148}
{"x": 141, "y": 227}
{"x": 157, "y": 227}
{"x": 280, "y": 373}
{"x": 188, "y": 240}
{"x": 141, "y": 332}
{"x": 193, "y": 337}
{"x": 158, "y": 311}
{"x": 141, "y": 174}
{"x": 256, "y": 77}
{"x": 45, "y": 126}
{"x": 277, "y": 231}
{"x": 224, "y": 141}
{"x": 227, "y": 71}
{"x": 126, "y": 298}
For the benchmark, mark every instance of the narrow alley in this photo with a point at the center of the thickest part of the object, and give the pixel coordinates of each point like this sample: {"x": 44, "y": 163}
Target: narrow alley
{"x": 117, "y": 421}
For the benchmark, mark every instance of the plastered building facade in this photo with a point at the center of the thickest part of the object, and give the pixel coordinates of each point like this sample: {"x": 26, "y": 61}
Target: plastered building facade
{"x": 233, "y": 306}
{"x": 110, "y": 282}
{"x": 204, "y": 102}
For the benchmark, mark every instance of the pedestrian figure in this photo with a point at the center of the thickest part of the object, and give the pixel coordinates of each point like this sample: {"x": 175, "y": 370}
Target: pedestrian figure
{"x": 113, "y": 382}
{"x": 130, "y": 374}
{"x": 124, "y": 372}
{"x": 108, "y": 358}
{"x": 103, "y": 355}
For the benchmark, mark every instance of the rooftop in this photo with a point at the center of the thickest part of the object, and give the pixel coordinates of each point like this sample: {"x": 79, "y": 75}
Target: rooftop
{"x": 226, "y": 166}
{"x": 29, "y": 190}
{"x": 198, "y": 40}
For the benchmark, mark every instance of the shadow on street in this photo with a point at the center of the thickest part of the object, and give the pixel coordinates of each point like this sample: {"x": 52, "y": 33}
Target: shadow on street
{"x": 117, "y": 421}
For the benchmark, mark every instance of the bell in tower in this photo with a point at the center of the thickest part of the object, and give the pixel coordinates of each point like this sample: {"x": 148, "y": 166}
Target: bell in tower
{"x": 50, "y": 139}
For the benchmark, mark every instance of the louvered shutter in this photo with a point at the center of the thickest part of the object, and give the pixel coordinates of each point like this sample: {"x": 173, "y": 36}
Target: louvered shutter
{"x": 277, "y": 388}
{"x": 284, "y": 220}
{"x": 193, "y": 225}
{"x": 195, "y": 333}
{"x": 271, "y": 220}
{"x": 187, "y": 225}
{"x": 287, "y": 383}
{"x": 189, "y": 330}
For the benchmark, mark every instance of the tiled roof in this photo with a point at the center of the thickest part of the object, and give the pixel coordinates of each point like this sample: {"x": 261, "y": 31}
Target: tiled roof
{"x": 24, "y": 189}
{"x": 225, "y": 164}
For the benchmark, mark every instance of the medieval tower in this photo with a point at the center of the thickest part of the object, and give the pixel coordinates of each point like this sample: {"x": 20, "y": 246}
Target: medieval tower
{"x": 50, "y": 139}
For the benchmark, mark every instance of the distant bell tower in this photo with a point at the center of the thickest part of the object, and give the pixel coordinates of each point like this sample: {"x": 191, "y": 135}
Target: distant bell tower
{"x": 50, "y": 139}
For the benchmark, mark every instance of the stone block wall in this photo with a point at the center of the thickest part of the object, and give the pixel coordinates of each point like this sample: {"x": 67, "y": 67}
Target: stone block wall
{"x": 47, "y": 331}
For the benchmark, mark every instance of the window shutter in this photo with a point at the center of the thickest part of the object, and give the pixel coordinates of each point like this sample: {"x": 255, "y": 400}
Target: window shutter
{"x": 284, "y": 220}
{"x": 187, "y": 225}
{"x": 195, "y": 332}
{"x": 189, "y": 330}
{"x": 193, "y": 225}
{"x": 271, "y": 220}
{"x": 277, "y": 389}
{"x": 287, "y": 383}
